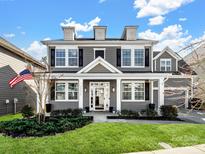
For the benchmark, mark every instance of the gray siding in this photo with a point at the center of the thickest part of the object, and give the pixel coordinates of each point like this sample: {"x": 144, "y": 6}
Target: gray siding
{"x": 21, "y": 91}
{"x": 135, "y": 106}
{"x": 110, "y": 56}
{"x": 99, "y": 69}
{"x": 56, "y": 105}
{"x": 165, "y": 55}
{"x": 178, "y": 82}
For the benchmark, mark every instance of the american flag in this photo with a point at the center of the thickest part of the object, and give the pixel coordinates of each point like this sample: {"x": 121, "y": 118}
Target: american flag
{"x": 24, "y": 75}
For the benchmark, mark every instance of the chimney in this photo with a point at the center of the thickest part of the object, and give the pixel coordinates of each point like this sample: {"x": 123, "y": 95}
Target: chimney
{"x": 99, "y": 32}
{"x": 69, "y": 33}
{"x": 130, "y": 33}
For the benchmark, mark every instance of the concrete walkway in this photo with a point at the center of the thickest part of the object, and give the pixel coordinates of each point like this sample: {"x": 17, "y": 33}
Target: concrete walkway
{"x": 102, "y": 117}
{"x": 197, "y": 149}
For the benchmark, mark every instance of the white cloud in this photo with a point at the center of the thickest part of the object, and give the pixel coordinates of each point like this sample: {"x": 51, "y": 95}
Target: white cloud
{"x": 182, "y": 19}
{"x": 173, "y": 36}
{"x": 102, "y": 1}
{"x": 36, "y": 49}
{"x": 157, "y": 7}
{"x": 158, "y": 20}
{"x": 23, "y": 33}
{"x": 85, "y": 27}
{"x": 47, "y": 38}
{"x": 18, "y": 27}
{"x": 200, "y": 38}
{"x": 9, "y": 35}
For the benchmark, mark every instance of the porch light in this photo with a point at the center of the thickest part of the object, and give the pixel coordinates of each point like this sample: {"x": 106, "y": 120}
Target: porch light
{"x": 113, "y": 89}
{"x": 85, "y": 90}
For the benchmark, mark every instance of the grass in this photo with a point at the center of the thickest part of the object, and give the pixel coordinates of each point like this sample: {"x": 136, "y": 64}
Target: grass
{"x": 103, "y": 138}
{"x": 10, "y": 117}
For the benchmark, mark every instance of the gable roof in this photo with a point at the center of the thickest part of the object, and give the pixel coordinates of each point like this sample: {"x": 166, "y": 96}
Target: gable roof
{"x": 170, "y": 51}
{"x": 102, "y": 62}
{"x": 12, "y": 48}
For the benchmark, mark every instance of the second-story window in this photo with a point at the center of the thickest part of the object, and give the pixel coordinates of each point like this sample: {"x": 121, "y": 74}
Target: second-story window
{"x": 139, "y": 57}
{"x": 126, "y": 57}
{"x": 72, "y": 57}
{"x": 133, "y": 58}
{"x": 165, "y": 64}
{"x": 60, "y": 57}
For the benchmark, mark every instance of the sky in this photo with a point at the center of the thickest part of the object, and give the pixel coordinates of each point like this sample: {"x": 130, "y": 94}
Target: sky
{"x": 174, "y": 23}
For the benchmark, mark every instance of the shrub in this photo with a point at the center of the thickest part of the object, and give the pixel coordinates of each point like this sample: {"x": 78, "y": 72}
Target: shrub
{"x": 169, "y": 111}
{"x": 27, "y": 111}
{"x": 31, "y": 127}
{"x": 149, "y": 112}
{"x": 67, "y": 113}
{"x": 129, "y": 113}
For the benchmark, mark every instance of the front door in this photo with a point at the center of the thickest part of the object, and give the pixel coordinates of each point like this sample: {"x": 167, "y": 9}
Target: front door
{"x": 99, "y": 96}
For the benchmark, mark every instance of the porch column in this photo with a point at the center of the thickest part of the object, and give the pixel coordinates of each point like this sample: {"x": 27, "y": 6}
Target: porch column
{"x": 186, "y": 98}
{"x": 160, "y": 92}
{"x": 80, "y": 93}
{"x": 118, "y": 94}
{"x": 151, "y": 92}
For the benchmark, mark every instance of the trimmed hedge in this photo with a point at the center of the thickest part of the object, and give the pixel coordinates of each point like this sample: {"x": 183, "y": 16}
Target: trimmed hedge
{"x": 30, "y": 127}
{"x": 129, "y": 113}
{"x": 169, "y": 111}
{"x": 67, "y": 113}
{"x": 144, "y": 118}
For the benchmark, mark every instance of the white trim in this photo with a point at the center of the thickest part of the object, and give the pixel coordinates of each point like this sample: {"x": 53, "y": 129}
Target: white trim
{"x": 172, "y": 88}
{"x": 66, "y": 92}
{"x": 101, "y": 61}
{"x": 133, "y": 91}
{"x": 132, "y": 50}
{"x": 94, "y": 49}
{"x": 160, "y": 92}
{"x": 165, "y": 66}
{"x": 80, "y": 93}
{"x": 118, "y": 94}
{"x": 170, "y": 51}
{"x": 108, "y": 96}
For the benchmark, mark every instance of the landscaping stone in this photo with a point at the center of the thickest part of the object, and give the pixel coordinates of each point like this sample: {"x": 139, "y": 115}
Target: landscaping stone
{"x": 165, "y": 145}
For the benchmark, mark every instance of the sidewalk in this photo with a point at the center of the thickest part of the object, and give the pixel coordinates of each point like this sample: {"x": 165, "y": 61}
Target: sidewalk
{"x": 197, "y": 149}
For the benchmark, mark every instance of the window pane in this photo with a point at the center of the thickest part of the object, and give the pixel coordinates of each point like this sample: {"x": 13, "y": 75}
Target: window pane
{"x": 72, "y": 87}
{"x": 139, "y": 57}
{"x": 72, "y": 95}
{"x": 60, "y": 95}
{"x": 60, "y": 61}
{"x": 99, "y": 53}
{"x": 127, "y": 86}
{"x": 72, "y": 57}
{"x": 60, "y": 87}
{"x": 73, "y": 62}
{"x": 72, "y": 53}
{"x": 60, "y": 53}
{"x": 162, "y": 68}
{"x": 139, "y": 87}
{"x": 139, "y": 95}
{"x": 126, "y": 57}
{"x": 127, "y": 95}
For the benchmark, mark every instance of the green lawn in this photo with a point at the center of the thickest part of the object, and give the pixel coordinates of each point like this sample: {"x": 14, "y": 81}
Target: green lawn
{"x": 10, "y": 117}
{"x": 108, "y": 138}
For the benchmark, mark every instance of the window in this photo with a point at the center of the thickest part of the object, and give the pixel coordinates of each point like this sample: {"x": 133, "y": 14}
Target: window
{"x": 126, "y": 57}
{"x": 139, "y": 91}
{"x": 60, "y": 91}
{"x": 60, "y": 57}
{"x": 127, "y": 91}
{"x": 66, "y": 90}
{"x": 99, "y": 53}
{"x": 72, "y": 57}
{"x": 133, "y": 58}
{"x": 72, "y": 91}
{"x": 133, "y": 91}
{"x": 139, "y": 57}
{"x": 165, "y": 64}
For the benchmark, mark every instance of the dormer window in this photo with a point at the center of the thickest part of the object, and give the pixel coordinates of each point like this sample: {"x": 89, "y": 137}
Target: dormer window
{"x": 165, "y": 64}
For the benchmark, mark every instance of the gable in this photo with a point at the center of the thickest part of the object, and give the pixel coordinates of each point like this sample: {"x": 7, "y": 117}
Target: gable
{"x": 169, "y": 52}
{"x": 99, "y": 65}
{"x": 166, "y": 55}
{"x": 99, "y": 69}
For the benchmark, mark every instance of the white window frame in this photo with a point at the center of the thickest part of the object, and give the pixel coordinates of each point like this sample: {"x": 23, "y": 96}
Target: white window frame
{"x": 143, "y": 57}
{"x": 133, "y": 91}
{"x": 72, "y": 57}
{"x": 94, "y": 49}
{"x": 66, "y": 58}
{"x": 59, "y": 57}
{"x": 166, "y": 59}
{"x": 132, "y": 57}
{"x": 66, "y": 91}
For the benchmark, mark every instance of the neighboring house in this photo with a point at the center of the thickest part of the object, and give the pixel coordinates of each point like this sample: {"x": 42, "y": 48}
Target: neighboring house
{"x": 12, "y": 61}
{"x": 122, "y": 73}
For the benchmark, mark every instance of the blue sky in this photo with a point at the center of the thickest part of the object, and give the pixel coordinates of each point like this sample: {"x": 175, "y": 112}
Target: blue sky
{"x": 173, "y": 22}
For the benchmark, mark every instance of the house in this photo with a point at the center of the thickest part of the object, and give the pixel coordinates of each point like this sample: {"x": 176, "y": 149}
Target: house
{"x": 12, "y": 61}
{"x": 103, "y": 73}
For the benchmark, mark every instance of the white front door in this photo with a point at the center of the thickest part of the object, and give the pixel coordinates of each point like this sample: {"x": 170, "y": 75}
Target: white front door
{"x": 99, "y": 96}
